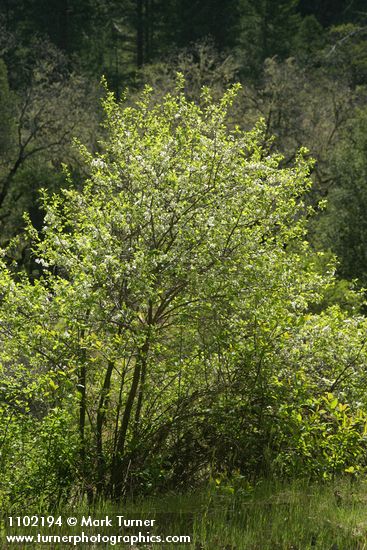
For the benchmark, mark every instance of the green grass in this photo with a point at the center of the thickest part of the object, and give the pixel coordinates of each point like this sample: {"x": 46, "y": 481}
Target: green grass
{"x": 270, "y": 516}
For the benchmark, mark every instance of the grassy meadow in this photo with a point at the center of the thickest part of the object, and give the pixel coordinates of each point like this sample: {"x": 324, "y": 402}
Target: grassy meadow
{"x": 269, "y": 516}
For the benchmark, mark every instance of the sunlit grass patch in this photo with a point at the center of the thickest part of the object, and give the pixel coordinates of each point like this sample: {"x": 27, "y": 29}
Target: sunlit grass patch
{"x": 266, "y": 516}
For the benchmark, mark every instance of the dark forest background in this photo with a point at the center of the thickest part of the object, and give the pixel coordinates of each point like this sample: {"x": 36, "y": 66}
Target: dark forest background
{"x": 303, "y": 65}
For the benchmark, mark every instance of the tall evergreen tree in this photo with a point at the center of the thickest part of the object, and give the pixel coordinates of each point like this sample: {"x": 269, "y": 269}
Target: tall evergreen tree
{"x": 331, "y": 12}
{"x": 196, "y": 20}
{"x": 267, "y": 29}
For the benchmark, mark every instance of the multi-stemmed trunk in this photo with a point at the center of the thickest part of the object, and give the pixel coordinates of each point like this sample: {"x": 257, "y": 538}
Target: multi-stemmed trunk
{"x": 135, "y": 394}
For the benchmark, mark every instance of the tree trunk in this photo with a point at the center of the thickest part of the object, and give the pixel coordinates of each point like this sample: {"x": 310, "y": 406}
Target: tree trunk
{"x": 139, "y": 33}
{"x": 101, "y": 414}
{"x": 82, "y": 389}
{"x": 117, "y": 473}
